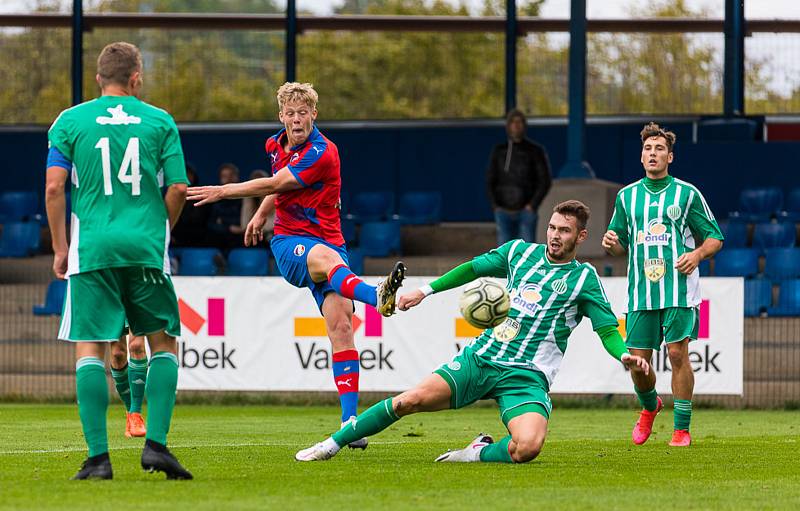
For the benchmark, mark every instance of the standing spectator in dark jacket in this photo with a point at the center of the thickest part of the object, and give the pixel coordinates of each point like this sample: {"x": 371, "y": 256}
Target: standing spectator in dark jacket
{"x": 518, "y": 180}
{"x": 225, "y": 221}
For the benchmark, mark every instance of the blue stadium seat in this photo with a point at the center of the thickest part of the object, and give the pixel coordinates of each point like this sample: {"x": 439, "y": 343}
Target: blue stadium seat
{"x": 248, "y": 262}
{"x": 349, "y": 231}
{"x": 371, "y": 207}
{"x": 420, "y": 208}
{"x": 788, "y": 299}
{"x": 379, "y": 239}
{"x": 19, "y": 239}
{"x": 705, "y": 268}
{"x": 198, "y": 262}
{"x": 356, "y": 261}
{"x": 735, "y": 232}
{"x": 757, "y": 296}
{"x": 774, "y": 235}
{"x": 760, "y": 204}
{"x": 736, "y": 262}
{"x": 782, "y": 263}
{"x": 54, "y": 300}
{"x": 791, "y": 212}
{"x": 18, "y": 206}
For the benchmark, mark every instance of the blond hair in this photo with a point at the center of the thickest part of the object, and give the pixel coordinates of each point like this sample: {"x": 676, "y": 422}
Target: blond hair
{"x": 117, "y": 62}
{"x": 654, "y": 130}
{"x": 293, "y": 92}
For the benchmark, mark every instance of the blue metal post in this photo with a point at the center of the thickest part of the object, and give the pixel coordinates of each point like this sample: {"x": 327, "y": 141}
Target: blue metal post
{"x": 511, "y": 54}
{"x": 576, "y": 167}
{"x": 77, "y": 52}
{"x": 734, "y": 58}
{"x": 291, "y": 40}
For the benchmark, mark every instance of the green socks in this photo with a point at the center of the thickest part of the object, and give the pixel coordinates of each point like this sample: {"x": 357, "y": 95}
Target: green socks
{"x": 374, "y": 420}
{"x": 648, "y": 398}
{"x": 123, "y": 387}
{"x": 92, "y": 392}
{"x": 497, "y": 452}
{"x": 162, "y": 382}
{"x": 683, "y": 414}
{"x": 137, "y": 372}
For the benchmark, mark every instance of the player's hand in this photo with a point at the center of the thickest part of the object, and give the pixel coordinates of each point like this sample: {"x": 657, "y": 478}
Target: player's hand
{"x": 610, "y": 239}
{"x": 60, "y": 265}
{"x": 205, "y": 194}
{"x": 635, "y": 363}
{"x": 254, "y": 234}
{"x": 409, "y": 300}
{"x": 688, "y": 262}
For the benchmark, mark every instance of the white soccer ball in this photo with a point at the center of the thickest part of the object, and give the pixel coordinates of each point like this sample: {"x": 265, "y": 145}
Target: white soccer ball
{"x": 484, "y": 303}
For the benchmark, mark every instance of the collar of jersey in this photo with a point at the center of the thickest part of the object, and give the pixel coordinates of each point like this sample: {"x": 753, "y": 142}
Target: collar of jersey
{"x": 557, "y": 265}
{"x": 311, "y": 137}
{"x": 669, "y": 177}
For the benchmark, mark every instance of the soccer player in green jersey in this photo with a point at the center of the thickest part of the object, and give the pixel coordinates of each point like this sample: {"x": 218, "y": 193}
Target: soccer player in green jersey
{"x": 116, "y": 262}
{"x": 514, "y": 363}
{"x": 666, "y": 228}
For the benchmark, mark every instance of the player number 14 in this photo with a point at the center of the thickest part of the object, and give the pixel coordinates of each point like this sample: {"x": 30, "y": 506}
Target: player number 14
{"x": 128, "y": 170}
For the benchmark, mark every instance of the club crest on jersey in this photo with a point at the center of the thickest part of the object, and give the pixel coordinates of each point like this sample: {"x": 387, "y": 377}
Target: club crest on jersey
{"x": 654, "y": 269}
{"x": 656, "y": 234}
{"x": 294, "y": 158}
{"x": 299, "y": 250}
{"x": 528, "y": 298}
{"x": 507, "y": 330}
{"x": 118, "y": 117}
{"x": 455, "y": 365}
{"x": 674, "y": 213}
{"x": 559, "y": 286}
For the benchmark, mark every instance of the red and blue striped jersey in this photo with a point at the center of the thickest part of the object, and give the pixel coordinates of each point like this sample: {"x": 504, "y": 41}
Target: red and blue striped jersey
{"x": 312, "y": 210}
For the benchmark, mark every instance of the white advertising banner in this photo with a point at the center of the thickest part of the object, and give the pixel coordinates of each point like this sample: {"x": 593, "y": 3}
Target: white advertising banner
{"x": 248, "y": 333}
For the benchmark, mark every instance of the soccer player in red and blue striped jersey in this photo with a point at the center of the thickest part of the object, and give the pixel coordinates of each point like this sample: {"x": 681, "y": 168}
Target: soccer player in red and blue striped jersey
{"x": 308, "y": 244}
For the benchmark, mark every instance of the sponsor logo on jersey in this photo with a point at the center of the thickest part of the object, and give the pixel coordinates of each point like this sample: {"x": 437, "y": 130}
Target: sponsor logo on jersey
{"x": 654, "y": 269}
{"x": 656, "y": 234}
{"x": 528, "y": 298}
{"x": 299, "y": 250}
{"x": 674, "y": 213}
{"x": 507, "y": 330}
{"x": 118, "y": 117}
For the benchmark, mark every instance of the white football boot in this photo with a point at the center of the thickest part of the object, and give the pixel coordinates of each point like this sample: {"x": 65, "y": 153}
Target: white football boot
{"x": 470, "y": 453}
{"x": 318, "y": 452}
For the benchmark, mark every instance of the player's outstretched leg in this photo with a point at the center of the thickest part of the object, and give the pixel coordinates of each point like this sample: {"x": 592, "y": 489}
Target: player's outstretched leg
{"x": 92, "y": 391}
{"x": 162, "y": 382}
{"x": 432, "y": 394}
{"x": 137, "y": 371}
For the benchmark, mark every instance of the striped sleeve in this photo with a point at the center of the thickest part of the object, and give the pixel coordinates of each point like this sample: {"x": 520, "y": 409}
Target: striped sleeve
{"x": 313, "y": 166}
{"x": 593, "y": 302}
{"x": 701, "y": 220}
{"x": 619, "y": 221}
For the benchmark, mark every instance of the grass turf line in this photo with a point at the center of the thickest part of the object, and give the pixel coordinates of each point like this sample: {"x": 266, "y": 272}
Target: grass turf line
{"x": 242, "y": 458}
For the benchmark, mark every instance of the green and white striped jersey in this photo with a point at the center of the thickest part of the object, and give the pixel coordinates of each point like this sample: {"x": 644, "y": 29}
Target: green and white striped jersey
{"x": 657, "y": 221}
{"x": 122, "y": 151}
{"x": 547, "y": 302}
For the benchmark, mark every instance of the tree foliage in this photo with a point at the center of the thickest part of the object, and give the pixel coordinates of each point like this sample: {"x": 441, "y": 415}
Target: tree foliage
{"x": 232, "y": 75}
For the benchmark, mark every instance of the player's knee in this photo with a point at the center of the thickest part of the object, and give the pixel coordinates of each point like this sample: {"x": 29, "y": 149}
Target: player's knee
{"x": 118, "y": 358}
{"x": 527, "y": 449}
{"x": 136, "y": 347}
{"x": 677, "y": 355}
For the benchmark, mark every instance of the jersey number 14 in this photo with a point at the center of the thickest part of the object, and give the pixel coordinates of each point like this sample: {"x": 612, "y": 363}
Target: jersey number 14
{"x": 128, "y": 170}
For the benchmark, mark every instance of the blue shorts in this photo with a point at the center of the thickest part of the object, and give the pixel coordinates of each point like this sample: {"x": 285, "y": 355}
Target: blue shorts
{"x": 291, "y": 252}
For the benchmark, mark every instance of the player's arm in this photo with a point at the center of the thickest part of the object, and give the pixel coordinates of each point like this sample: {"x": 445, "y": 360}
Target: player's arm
{"x": 283, "y": 181}
{"x": 703, "y": 225}
{"x": 491, "y": 264}
{"x": 254, "y": 234}
{"x": 55, "y": 200}
{"x": 615, "y": 240}
{"x": 174, "y": 199}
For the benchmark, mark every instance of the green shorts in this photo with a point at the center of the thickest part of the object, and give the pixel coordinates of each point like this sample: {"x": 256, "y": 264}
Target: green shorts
{"x": 516, "y": 390}
{"x": 99, "y": 302}
{"x": 646, "y": 330}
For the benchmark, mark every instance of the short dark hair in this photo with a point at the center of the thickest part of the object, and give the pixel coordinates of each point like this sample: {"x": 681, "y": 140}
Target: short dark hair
{"x": 516, "y": 113}
{"x": 574, "y": 208}
{"x": 652, "y": 129}
{"x": 117, "y": 63}
{"x": 229, "y": 165}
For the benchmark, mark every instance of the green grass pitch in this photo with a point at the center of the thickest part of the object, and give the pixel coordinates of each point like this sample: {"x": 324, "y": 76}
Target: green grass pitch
{"x": 242, "y": 458}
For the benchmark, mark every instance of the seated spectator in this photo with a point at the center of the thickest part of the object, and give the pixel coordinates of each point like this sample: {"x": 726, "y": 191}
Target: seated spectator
{"x": 191, "y": 230}
{"x": 250, "y": 206}
{"x": 225, "y": 220}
